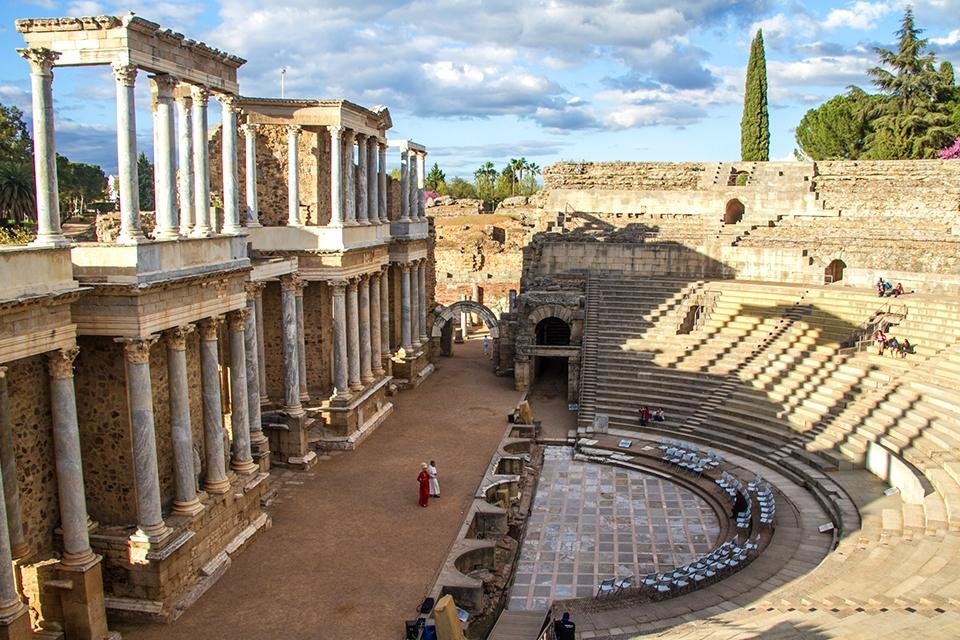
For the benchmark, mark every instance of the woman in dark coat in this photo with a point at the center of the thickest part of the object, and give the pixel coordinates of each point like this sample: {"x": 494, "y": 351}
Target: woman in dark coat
{"x": 424, "y": 480}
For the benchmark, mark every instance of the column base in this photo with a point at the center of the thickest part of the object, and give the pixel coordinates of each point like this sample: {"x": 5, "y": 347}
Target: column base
{"x": 51, "y": 240}
{"x": 201, "y": 233}
{"x": 190, "y": 509}
{"x": 253, "y": 224}
{"x": 294, "y": 411}
{"x": 134, "y": 239}
{"x": 244, "y": 467}
{"x": 154, "y": 534}
{"x": 15, "y": 624}
{"x": 350, "y": 223}
{"x": 304, "y": 396}
{"x": 356, "y": 386}
{"x": 233, "y": 231}
{"x": 218, "y": 487}
{"x": 367, "y": 379}
{"x": 19, "y": 551}
{"x": 170, "y": 234}
{"x": 84, "y": 611}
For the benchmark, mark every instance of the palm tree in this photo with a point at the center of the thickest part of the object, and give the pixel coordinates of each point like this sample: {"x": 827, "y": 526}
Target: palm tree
{"x": 485, "y": 177}
{"x": 17, "y": 197}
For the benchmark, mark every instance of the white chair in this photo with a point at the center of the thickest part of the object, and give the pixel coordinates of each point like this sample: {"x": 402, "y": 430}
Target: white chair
{"x": 624, "y": 583}
{"x": 606, "y": 587}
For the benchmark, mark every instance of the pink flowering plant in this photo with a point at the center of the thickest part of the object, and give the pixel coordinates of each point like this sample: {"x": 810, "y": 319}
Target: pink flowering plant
{"x": 952, "y": 152}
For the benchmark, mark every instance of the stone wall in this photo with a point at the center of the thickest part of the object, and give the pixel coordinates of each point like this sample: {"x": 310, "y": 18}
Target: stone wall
{"x": 318, "y": 336}
{"x": 645, "y": 176}
{"x": 273, "y": 340}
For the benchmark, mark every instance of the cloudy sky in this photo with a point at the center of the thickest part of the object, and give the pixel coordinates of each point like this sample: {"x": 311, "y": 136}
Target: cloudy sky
{"x": 479, "y": 80}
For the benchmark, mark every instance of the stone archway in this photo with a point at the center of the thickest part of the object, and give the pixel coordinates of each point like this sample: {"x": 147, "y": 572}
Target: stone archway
{"x": 733, "y": 212}
{"x": 442, "y": 315}
{"x": 834, "y": 271}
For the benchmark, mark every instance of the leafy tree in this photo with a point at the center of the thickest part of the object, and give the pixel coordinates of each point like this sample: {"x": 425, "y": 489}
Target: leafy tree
{"x": 145, "y": 182}
{"x": 755, "y": 123}
{"x": 838, "y": 128}
{"x": 435, "y": 177}
{"x": 485, "y": 179}
{"x": 912, "y": 122}
{"x": 15, "y": 143}
{"x": 79, "y": 183}
{"x": 461, "y": 189}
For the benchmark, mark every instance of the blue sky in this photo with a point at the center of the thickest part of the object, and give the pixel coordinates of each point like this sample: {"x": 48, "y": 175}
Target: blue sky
{"x": 479, "y": 80}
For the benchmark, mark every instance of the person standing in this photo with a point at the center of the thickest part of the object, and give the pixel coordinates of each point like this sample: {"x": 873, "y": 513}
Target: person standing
{"x": 486, "y": 346}
{"x": 564, "y": 628}
{"x": 434, "y": 483}
{"x": 424, "y": 480}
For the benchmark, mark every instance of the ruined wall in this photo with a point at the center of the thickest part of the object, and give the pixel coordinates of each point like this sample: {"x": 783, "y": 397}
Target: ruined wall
{"x": 644, "y": 176}
{"x": 29, "y": 393}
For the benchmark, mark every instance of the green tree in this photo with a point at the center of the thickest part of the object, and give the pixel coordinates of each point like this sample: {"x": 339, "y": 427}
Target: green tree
{"x": 913, "y": 122}
{"x": 17, "y": 195}
{"x": 79, "y": 183}
{"x": 837, "y": 129}
{"x": 485, "y": 180}
{"x": 15, "y": 143}
{"x": 461, "y": 189}
{"x": 145, "y": 182}
{"x": 435, "y": 178}
{"x": 755, "y": 123}
{"x": 529, "y": 184}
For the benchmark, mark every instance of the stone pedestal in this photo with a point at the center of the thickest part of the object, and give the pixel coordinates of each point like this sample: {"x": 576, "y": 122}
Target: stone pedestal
{"x": 350, "y": 421}
{"x": 287, "y": 439}
{"x": 17, "y": 626}
{"x": 83, "y": 606}
{"x": 411, "y": 369}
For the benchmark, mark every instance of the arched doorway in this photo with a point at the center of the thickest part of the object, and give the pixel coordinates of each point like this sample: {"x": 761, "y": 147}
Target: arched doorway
{"x": 445, "y": 320}
{"x": 734, "y": 212}
{"x": 552, "y": 332}
{"x": 550, "y": 370}
{"x": 834, "y": 271}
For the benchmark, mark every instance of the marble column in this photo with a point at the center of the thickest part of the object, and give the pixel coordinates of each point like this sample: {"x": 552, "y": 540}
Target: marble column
{"x": 293, "y": 175}
{"x": 336, "y": 176}
{"x": 301, "y": 344}
{"x": 67, "y": 460}
{"x": 362, "y": 193}
{"x": 164, "y": 162}
{"x": 130, "y": 231}
{"x": 10, "y": 604}
{"x": 231, "y": 195}
{"x": 146, "y": 477}
{"x": 185, "y": 501}
{"x": 215, "y": 480}
{"x": 375, "y": 339}
{"x": 414, "y": 306}
{"x": 8, "y": 467}
{"x": 350, "y": 178}
{"x": 373, "y": 181}
{"x": 353, "y": 337}
{"x": 406, "y": 331}
{"x": 291, "y": 368}
{"x": 422, "y": 300}
{"x": 414, "y": 211}
{"x": 185, "y": 179}
{"x": 261, "y": 346}
{"x": 341, "y": 382}
{"x": 404, "y": 186}
{"x": 421, "y": 184}
{"x": 382, "y": 182}
{"x": 241, "y": 459}
{"x": 366, "y": 371}
{"x": 47, "y": 191}
{"x": 251, "y": 349}
{"x": 203, "y": 225}
{"x": 385, "y": 313}
{"x": 250, "y": 157}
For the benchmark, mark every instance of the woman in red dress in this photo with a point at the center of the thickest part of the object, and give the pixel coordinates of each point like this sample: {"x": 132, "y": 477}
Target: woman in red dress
{"x": 424, "y": 480}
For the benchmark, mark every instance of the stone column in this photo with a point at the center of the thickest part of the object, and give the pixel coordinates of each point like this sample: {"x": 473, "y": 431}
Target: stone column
{"x": 164, "y": 162}
{"x": 353, "y": 337}
{"x": 422, "y": 300}
{"x": 250, "y": 139}
{"x": 291, "y": 368}
{"x": 301, "y": 344}
{"x": 362, "y": 193}
{"x": 421, "y": 184}
{"x": 463, "y": 321}
{"x": 293, "y": 175}
{"x": 146, "y": 477}
{"x": 414, "y": 306}
{"x": 215, "y": 480}
{"x": 241, "y": 459}
{"x": 203, "y": 226}
{"x": 251, "y": 349}
{"x": 336, "y": 176}
{"x": 413, "y": 189}
{"x": 341, "y": 382}
{"x": 406, "y": 339}
{"x": 382, "y": 181}
{"x": 375, "y": 339}
{"x": 126, "y": 77}
{"x": 10, "y": 605}
{"x": 261, "y": 347}
{"x": 231, "y": 196}
{"x": 185, "y": 502}
{"x": 373, "y": 181}
{"x": 185, "y": 156}
{"x": 350, "y": 178}
{"x": 404, "y": 186}
{"x": 8, "y": 466}
{"x": 366, "y": 372}
{"x": 385, "y": 313}
{"x": 44, "y": 147}
{"x": 66, "y": 444}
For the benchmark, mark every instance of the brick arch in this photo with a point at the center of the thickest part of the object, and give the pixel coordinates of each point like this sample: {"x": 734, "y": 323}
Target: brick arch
{"x": 547, "y": 311}
{"x": 444, "y": 314}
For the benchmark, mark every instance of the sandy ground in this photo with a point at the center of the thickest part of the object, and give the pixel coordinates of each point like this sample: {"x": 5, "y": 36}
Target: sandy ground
{"x": 351, "y": 554}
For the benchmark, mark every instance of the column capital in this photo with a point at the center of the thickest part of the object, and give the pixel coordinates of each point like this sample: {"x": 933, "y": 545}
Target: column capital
{"x": 184, "y": 96}
{"x": 41, "y": 60}
{"x": 339, "y": 287}
{"x": 249, "y": 128}
{"x": 291, "y": 282}
{"x": 349, "y": 135}
{"x": 353, "y": 284}
{"x": 209, "y": 327}
{"x": 360, "y": 137}
{"x": 229, "y": 101}
{"x": 253, "y": 288}
{"x": 165, "y": 84}
{"x": 375, "y": 276}
{"x": 61, "y": 362}
{"x": 125, "y": 74}
{"x": 237, "y": 319}
{"x": 176, "y": 338}
{"x": 335, "y": 130}
{"x": 294, "y": 129}
{"x": 382, "y": 144}
{"x": 200, "y": 94}
{"x": 406, "y": 266}
{"x": 3, "y": 373}
{"x": 137, "y": 350}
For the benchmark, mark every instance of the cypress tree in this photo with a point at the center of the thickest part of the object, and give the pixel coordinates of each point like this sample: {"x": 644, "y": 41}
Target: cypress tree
{"x": 755, "y": 124}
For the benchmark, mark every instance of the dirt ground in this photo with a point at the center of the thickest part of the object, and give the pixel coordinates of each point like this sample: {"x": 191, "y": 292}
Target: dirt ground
{"x": 351, "y": 554}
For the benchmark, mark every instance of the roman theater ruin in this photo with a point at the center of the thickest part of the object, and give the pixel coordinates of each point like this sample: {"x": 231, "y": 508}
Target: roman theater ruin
{"x": 206, "y": 406}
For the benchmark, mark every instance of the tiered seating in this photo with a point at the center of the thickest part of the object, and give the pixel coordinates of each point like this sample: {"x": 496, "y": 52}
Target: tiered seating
{"x": 692, "y": 230}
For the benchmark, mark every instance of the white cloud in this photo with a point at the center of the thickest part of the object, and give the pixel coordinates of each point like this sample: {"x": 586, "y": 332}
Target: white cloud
{"x": 819, "y": 71}
{"x": 861, "y": 15}
{"x": 781, "y": 27}
{"x": 950, "y": 39}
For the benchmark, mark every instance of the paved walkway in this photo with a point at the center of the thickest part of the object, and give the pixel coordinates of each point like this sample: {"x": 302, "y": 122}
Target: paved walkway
{"x": 350, "y": 554}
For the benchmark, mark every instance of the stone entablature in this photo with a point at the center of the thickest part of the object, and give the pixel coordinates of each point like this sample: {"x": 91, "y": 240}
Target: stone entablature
{"x": 30, "y": 272}
{"x": 317, "y": 113}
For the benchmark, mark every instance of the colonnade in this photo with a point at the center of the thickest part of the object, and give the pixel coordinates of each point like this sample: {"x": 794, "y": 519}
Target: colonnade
{"x": 412, "y": 181}
{"x": 413, "y": 305}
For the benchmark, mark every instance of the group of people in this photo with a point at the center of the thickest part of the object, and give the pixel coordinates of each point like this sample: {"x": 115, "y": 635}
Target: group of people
{"x": 886, "y": 289}
{"x": 646, "y": 416}
{"x": 897, "y": 347}
{"x": 427, "y": 480}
